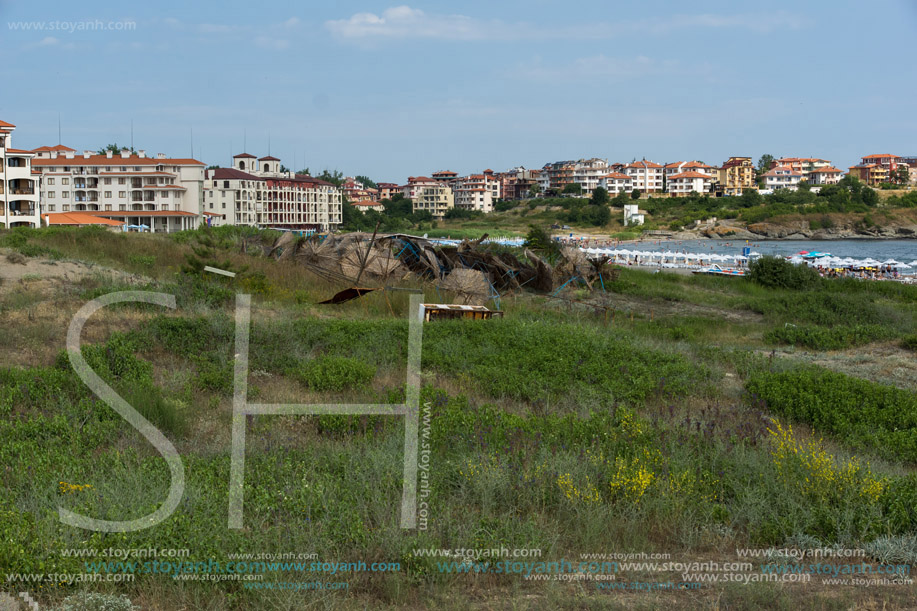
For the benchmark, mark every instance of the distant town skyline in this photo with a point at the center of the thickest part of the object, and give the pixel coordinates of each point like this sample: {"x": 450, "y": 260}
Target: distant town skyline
{"x": 391, "y": 91}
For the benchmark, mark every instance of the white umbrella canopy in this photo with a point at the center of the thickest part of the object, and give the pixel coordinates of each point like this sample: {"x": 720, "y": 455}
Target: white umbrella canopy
{"x": 891, "y": 262}
{"x": 905, "y": 265}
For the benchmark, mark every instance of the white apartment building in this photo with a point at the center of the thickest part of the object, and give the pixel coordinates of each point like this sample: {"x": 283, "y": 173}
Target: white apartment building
{"x": 255, "y": 192}
{"x": 616, "y": 182}
{"x": 824, "y": 176}
{"x": 691, "y": 181}
{"x": 19, "y": 183}
{"x": 164, "y": 194}
{"x": 588, "y": 173}
{"x": 803, "y": 165}
{"x": 783, "y": 177}
{"x": 677, "y": 167}
{"x": 646, "y": 176}
{"x": 477, "y": 191}
{"x": 428, "y": 195}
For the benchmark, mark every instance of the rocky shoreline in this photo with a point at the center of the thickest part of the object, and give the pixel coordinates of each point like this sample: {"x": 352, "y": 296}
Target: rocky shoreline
{"x": 793, "y": 230}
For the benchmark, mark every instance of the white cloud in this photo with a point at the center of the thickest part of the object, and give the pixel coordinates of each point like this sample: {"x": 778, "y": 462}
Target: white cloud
{"x": 407, "y": 22}
{"x": 48, "y": 41}
{"x": 404, "y": 22}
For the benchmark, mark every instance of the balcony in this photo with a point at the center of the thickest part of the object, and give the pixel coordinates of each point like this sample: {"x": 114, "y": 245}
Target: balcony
{"x": 22, "y": 211}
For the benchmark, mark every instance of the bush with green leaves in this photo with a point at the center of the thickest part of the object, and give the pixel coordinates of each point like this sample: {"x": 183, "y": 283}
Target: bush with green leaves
{"x": 821, "y": 338}
{"x": 866, "y": 415}
{"x": 337, "y": 373}
{"x": 777, "y": 272}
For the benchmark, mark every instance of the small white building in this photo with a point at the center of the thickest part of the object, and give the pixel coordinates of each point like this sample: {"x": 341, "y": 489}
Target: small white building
{"x": 824, "y": 176}
{"x": 632, "y": 215}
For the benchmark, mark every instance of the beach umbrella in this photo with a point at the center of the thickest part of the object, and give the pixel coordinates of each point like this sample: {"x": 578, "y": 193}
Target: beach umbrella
{"x": 891, "y": 262}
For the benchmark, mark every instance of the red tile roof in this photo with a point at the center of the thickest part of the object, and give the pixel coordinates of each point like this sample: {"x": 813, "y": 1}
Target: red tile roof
{"x": 268, "y": 158}
{"x": 230, "y": 174}
{"x": 782, "y": 170}
{"x": 48, "y": 149}
{"x": 122, "y": 213}
{"x": 643, "y": 164}
{"x": 617, "y": 175}
{"x": 245, "y": 155}
{"x": 77, "y": 218}
{"x": 20, "y": 151}
{"x": 829, "y": 170}
{"x": 883, "y": 156}
{"x": 691, "y": 174}
{"x": 5, "y": 124}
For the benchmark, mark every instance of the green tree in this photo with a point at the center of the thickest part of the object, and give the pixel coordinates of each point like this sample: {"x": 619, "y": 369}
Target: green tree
{"x": 367, "y": 182}
{"x": 213, "y": 167}
{"x": 114, "y": 148}
{"x": 573, "y": 188}
{"x": 534, "y": 190}
{"x": 764, "y": 164}
{"x": 303, "y": 172}
{"x": 635, "y": 194}
{"x": 750, "y": 198}
{"x": 901, "y": 175}
{"x": 284, "y": 169}
{"x": 336, "y": 177}
{"x": 600, "y": 197}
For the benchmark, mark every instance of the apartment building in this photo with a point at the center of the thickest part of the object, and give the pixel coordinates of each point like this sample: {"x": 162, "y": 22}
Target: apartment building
{"x": 160, "y": 193}
{"x": 677, "y": 167}
{"x": 803, "y": 165}
{"x": 688, "y": 182}
{"x": 255, "y": 192}
{"x": 517, "y": 183}
{"x": 783, "y": 177}
{"x": 616, "y": 182}
{"x": 477, "y": 191}
{"x": 445, "y": 176}
{"x": 557, "y": 175}
{"x": 645, "y": 175}
{"x": 736, "y": 175}
{"x": 428, "y": 195}
{"x": 20, "y": 191}
{"x": 588, "y": 173}
{"x": 824, "y": 176}
{"x": 388, "y": 190}
{"x": 355, "y": 190}
{"x": 876, "y": 169}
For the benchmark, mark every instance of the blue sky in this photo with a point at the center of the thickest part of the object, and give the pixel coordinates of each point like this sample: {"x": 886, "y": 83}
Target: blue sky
{"x": 391, "y": 90}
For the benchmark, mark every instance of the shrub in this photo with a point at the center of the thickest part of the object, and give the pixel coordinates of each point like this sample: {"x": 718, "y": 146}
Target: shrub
{"x": 142, "y": 260}
{"x": 93, "y": 601}
{"x": 336, "y": 373}
{"x": 821, "y": 338}
{"x": 777, "y": 272}
{"x": 909, "y": 343}
{"x": 869, "y": 416}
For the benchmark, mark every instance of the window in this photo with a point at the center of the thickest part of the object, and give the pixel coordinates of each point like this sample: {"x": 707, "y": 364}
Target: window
{"x": 51, "y": 208}
{"x": 50, "y": 181}
{"x": 224, "y": 205}
{"x": 107, "y": 181}
{"x": 66, "y": 208}
{"x": 108, "y": 207}
{"x": 65, "y": 194}
{"x": 164, "y": 194}
{"x": 225, "y": 184}
{"x": 50, "y": 194}
{"x": 136, "y": 169}
{"x": 122, "y": 194}
{"x": 122, "y": 206}
{"x": 108, "y": 195}
{"x": 122, "y": 181}
{"x": 65, "y": 181}
{"x": 123, "y": 169}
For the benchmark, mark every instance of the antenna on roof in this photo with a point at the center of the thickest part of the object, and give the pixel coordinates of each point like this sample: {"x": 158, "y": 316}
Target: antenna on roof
{"x": 58, "y": 129}
{"x": 269, "y": 143}
{"x": 244, "y": 140}
{"x": 192, "y": 142}
{"x": 132, "y": 135}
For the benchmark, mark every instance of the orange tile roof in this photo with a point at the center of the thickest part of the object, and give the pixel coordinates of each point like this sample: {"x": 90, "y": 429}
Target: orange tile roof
{"x": 882, "y": 156}
{"x": 139, "y": 213}
{"x": 77, "y": 218}
{"x": 692, "y": 174}
{"x": 617, "y": 175}
{"x": 157, "y": 187}
{"x": 828, "y": 170}
{"x": 59, "y": 147}
{"x": 643, "y": 164}
{"x": 5, "y": 124}
{"x": 20, "y": 151}
{"x": 133, "y": 160}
